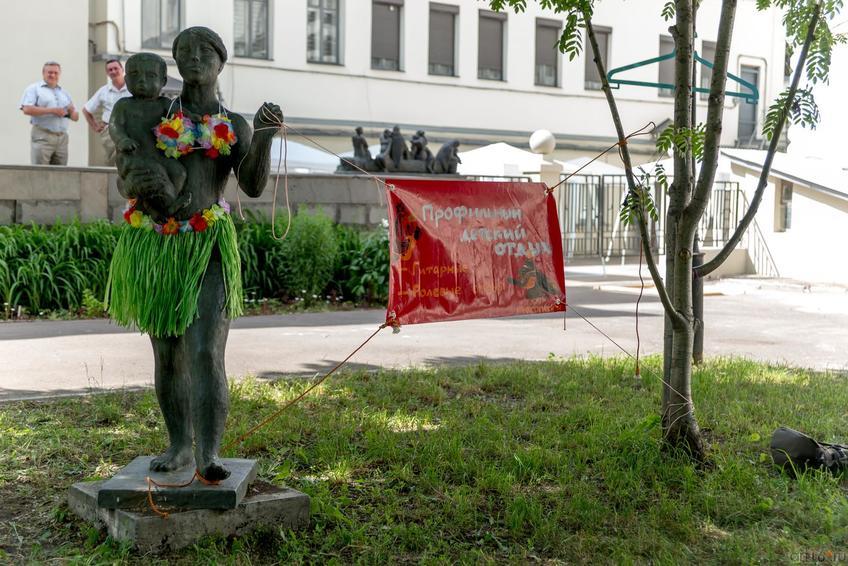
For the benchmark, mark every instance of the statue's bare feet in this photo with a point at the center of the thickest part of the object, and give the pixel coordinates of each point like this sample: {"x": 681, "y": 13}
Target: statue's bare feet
{"x": 211, "y": 469}
{"x": 174, "y": 458}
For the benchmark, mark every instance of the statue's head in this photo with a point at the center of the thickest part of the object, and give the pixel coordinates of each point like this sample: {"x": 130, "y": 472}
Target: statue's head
{"x": 146, "y": 74}
{"x": 396, "y": 130}
{"x": 200, "y": 55}
{"x": 359, "y": 130}
{"x": 419, "y": 133}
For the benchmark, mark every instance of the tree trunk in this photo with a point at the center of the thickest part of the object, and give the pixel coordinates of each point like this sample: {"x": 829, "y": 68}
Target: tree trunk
{"x": 680, "y": 428}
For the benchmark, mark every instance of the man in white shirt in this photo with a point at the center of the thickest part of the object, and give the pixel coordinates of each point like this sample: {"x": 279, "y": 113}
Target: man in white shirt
{"x": 49, "y": 107}
{"x": 104, "y": 100}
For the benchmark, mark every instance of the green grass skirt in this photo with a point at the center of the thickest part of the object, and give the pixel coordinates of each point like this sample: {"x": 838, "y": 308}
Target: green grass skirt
{"x": 154, "y": 280}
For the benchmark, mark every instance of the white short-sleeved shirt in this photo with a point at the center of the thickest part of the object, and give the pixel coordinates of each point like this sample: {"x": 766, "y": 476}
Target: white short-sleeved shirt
{"x": 39, "y": 94}
{"x": 106, "y": 97}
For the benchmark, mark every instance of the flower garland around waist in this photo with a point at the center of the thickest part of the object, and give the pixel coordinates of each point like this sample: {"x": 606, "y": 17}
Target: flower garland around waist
{"x": 198, "y": 222}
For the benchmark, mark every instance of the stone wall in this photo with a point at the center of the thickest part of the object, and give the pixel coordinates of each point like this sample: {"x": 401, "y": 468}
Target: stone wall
{"x": 43, "y": 194}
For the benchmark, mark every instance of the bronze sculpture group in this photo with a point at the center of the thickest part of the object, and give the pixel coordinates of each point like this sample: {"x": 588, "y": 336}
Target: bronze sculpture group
{"x": 396, "y": 156}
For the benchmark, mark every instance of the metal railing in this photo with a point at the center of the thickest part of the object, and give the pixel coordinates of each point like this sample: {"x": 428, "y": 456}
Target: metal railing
{"x": 758, "y": 250}
{"x": 589, "y": 212}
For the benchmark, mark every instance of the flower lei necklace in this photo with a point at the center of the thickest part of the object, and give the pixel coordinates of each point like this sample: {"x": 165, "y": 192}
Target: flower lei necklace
{"x": 199, "y": 221}
{"x": 177, "y": 135}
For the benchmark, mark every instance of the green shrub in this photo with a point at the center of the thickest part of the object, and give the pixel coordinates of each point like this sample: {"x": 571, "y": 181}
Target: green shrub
{"x": 259, "y": 276}
{"x": 369, "y": 269}
{"x": 350, "y": 248}
{"x": 362, "y": 269}
{"x": 49, "y": 267}
{"x": 307, "y": 256}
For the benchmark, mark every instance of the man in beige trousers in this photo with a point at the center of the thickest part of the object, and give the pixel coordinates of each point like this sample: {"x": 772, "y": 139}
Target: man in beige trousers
{"x": 49, "y": 107}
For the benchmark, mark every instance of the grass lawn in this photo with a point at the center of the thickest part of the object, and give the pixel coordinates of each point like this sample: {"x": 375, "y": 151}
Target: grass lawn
{"x": 556, "y": 461}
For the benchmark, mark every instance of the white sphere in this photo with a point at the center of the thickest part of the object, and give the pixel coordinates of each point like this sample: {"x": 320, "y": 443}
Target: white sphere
{"x": 542, "y": 141}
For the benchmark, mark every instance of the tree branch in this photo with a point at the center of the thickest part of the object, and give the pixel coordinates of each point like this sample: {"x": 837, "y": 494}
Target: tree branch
{"x": 725, "y": 252}
{"x": 681, "y": 188}
{"x": 628, "y": 170}
{"x": 715, "y": 110}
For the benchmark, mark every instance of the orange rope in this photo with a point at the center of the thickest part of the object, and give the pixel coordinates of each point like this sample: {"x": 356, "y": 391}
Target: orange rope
{"x": 151, "y": 483}
{"x": 277, "y": 413}
{"x": 644, "y": 130}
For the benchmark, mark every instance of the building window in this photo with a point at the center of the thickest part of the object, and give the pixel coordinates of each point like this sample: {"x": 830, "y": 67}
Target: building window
{"x": 547, "y": 52}
{"x": 747, "y": 130}
{"x": 490, "y": 45}
{"x": 708, "y": 51}
{"x": 160, "y": 23}
{"x": 666, "y": 67}
{"x": 443, "y": 39}
{"x": 592, "y": 78}
{"x": 250, "y": 22}
{"x": 385, "y": 34}
{"x": 783, "y": 210}
{"x": 322, "y": 31}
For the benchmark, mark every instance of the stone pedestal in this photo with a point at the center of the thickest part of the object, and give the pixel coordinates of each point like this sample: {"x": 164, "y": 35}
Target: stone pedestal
{"x": 128, "y": 487}
{"x": 193, "y": 511}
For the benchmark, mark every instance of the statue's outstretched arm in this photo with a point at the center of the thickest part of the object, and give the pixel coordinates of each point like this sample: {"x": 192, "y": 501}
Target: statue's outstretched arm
{"x": 253, "y": 156}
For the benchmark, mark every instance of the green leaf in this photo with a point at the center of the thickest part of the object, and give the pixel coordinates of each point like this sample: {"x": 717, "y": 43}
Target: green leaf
{"x": 802, "y": 110}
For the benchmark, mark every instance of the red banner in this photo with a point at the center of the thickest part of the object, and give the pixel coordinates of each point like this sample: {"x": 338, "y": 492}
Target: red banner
{"x": 470, "y": 249}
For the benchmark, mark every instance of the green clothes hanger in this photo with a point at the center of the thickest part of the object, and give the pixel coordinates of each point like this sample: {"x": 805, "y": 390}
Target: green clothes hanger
{"x": 750, "y": 97}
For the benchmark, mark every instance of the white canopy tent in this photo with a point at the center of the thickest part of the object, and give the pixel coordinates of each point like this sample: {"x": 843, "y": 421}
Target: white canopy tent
{"x": 499, "y": 160}
{"x": 302, "y": 158}
{"x": 596, "y": 168}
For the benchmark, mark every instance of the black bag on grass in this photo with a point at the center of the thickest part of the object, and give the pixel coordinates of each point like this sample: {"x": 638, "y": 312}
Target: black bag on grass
{"x": 795, "y": 451}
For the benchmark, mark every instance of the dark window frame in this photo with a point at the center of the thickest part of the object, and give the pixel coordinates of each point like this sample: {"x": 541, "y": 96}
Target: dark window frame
{"x": 249, "y": 51}
{"x": 547, "y": 24}
{"x": 165, "y": 37}
{"x": 665, "y": 92}
{"x": 321, "y": 12}
{"x": 784, "y": 206}
{"x": 754, "y": 135}
{"x": 432, "y": 68}
{"x": 589, "y": 63}
{"x": 379, "y": 64}
{"x": 706, "y": 75}
{"x": 501, "y": 18}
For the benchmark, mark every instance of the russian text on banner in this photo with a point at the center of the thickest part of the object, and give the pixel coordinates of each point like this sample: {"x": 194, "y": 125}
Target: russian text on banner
{"x": 471, "y": 249}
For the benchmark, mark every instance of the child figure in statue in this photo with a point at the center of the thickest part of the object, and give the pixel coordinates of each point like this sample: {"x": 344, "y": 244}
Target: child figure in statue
{"x": 131, "y": 128}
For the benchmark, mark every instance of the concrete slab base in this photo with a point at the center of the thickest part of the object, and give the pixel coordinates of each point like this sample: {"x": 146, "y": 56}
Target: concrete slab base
{"x": 128, "y": 487}
{"x": 264, "y": 506}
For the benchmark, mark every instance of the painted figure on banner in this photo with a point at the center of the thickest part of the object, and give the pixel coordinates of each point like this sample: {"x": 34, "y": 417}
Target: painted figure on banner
{"x": 407, "y": 231}
{"x": 533, "y": 281}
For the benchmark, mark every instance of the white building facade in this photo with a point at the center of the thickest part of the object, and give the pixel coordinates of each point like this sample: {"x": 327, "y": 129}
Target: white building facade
{"x": 451, "y": 68}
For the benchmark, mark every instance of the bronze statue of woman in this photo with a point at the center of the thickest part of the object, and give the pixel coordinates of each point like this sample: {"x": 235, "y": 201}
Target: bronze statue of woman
{"x": 178, "y": 278}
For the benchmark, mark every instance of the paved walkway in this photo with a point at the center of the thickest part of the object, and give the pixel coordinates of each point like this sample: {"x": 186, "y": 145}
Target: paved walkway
{"x": 775, "y": 321}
